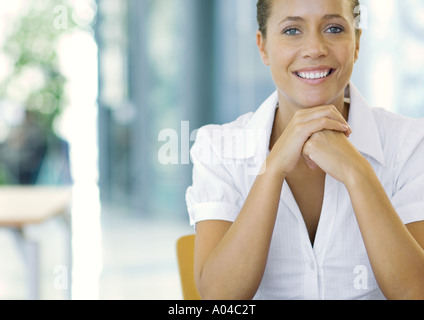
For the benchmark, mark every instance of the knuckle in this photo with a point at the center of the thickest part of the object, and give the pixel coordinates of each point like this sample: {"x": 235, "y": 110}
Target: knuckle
{"x": 300, "y": 111}
{"x": 299, "y": 129}
{"x": 298, "y": 114}
{"x": 310, "y": 145}
{"x": 324, "y": 121}
{"x": 333, "y": 108}
{"x": 314, "y": 139}
{"x": 296, "y": 121}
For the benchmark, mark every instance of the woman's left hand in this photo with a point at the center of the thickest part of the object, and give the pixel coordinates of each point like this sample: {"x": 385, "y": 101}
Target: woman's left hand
{"x": 334, "y": 154}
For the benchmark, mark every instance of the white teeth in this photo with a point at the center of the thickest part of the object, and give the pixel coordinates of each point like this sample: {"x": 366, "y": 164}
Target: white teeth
{"x": 313, "y": 76}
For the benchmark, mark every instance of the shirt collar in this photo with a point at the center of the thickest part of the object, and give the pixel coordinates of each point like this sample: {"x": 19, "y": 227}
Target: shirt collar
{"x": 365, "y": 136}
{"x": 252, "y": 139}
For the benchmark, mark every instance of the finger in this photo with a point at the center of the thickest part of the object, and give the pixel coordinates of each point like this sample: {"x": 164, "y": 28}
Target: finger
{"x": 329, "y": 111}
{"x": 321, "y": 124}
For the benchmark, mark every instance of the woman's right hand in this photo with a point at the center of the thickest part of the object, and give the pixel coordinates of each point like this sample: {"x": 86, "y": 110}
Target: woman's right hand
{"x": 288, "y": 149}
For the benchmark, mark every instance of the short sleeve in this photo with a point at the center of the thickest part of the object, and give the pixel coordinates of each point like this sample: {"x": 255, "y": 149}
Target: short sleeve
{"x": 408, "y": 198}
{"x": 213, "y": 194}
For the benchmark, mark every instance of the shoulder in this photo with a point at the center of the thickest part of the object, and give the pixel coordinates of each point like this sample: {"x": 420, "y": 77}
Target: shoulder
{"x": 239, "y": 124}
{"x": 243, "y": 138}
{"x": 215, "y": 141}
{"x": 401, "y": 135}
{"x": 397, "y": 127}
{"x": 216, "y": 136}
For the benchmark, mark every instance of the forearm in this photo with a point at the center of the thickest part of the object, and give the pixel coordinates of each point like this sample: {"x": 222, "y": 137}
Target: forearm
{"x": 235, "y": 268}
{"x": 396, "y": 258}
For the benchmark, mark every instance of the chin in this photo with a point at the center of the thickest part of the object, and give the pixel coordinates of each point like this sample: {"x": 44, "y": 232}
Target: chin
{"x": 312, "y": 103}
{"x": 315, "y": 98}
{"x": 306, "y": 98}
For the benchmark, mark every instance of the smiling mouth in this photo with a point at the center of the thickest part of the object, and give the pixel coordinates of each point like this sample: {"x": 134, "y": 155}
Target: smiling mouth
{"x": 314, "y": 75}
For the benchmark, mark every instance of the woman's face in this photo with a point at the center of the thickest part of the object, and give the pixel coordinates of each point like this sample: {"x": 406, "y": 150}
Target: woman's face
{"x": 311, "y": 47}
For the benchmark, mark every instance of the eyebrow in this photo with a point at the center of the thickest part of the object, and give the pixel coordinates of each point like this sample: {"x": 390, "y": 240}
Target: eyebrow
{"x": 326, "y": 17}
{"x": 333, "y": 16}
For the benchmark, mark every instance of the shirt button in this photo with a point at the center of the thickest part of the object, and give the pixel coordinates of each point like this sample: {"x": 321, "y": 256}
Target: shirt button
{"x": 312, "y": 266}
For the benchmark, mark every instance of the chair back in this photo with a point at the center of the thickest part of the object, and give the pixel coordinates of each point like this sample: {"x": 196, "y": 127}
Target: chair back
{"x": 185, "y": 256}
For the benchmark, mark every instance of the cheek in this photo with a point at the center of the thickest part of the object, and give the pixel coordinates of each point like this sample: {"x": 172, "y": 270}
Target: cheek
{"x": 280, "y": 61}
{"x": 346, "y": 58}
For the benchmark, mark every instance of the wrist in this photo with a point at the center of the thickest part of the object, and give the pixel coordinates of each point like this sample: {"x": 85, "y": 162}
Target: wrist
{"x": 273, "y": 168}
{"x": 358, "y": 174}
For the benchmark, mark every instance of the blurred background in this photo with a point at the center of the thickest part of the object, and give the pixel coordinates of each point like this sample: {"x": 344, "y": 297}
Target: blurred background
{"x": 92, "y": 93}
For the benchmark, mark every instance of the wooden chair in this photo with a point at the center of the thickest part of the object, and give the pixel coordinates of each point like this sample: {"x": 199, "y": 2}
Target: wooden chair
{"x": 185, "y": 256}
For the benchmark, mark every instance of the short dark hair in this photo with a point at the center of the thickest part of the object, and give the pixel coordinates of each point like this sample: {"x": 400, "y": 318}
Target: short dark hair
{"x": 264, "y": 11}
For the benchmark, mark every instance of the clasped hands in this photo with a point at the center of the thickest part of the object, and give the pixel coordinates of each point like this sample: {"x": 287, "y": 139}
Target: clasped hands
{"x": 320, "y": 136}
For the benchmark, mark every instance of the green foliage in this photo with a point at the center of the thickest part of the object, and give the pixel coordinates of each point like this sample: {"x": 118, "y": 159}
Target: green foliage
{"x": 35, "y": 80}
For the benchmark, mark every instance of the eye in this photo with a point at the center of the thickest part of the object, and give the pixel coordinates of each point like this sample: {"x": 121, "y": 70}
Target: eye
{"x": 291, "y": 31}
{"x": 335, "y": 29}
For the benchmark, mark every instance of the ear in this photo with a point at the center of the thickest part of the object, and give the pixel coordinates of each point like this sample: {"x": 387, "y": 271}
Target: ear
{"x": 261, "y": 43}
{"x": 358, "y": 44}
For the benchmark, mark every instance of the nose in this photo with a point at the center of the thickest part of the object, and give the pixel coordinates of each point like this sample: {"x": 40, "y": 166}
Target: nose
{"x": 314, "y": 47}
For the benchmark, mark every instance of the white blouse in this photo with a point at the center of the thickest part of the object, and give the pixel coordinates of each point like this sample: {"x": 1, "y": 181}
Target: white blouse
{"x": 228, "y": 158}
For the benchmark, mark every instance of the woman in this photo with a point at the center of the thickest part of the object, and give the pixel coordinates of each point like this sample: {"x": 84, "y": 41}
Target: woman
{"x": 336, "y": 210}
